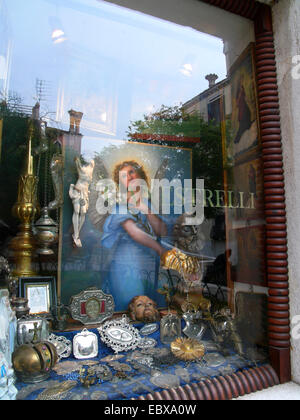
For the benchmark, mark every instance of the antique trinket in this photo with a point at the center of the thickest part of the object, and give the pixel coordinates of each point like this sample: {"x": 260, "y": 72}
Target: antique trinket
{"x": 120, "y": 367}
{"x": 85, "y": 345}
{"x": 165, "y": 380}
{"x": 33, "y": 362}
{"x": 194, "y": 327}
{"x": 45, "y": 232}
{"x": 214, "y": 359}
{"x": 187, "y": 349}
{"x": 142, "y": 308}
{"x": 20, "y": 306}
{"x": 87, "y": 376}
{"x": 31, "y": 329}
{"x": 119, "y": 335}
{"x": 147, "y": 342}
{"x": 112, "y": 357}
{"x": 149, "y": 329}
{"x": 92, "y": 306}
{"x": 62, "y": 344}
{"x": 170, "y": 328}
{"x": 57, "y": 392}
{"x": 103, "y": 373}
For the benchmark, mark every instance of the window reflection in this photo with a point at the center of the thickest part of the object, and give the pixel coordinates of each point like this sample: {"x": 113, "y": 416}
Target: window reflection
{"x": 116, "y": 85}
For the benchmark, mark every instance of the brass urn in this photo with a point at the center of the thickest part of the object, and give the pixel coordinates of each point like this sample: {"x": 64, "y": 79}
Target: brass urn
{"x": 33, "y": 362}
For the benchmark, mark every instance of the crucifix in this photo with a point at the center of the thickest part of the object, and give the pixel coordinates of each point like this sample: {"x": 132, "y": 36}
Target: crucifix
{"x": 36, "y": 332}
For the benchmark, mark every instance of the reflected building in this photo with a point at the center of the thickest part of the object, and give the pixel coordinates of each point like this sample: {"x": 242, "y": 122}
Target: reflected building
{"x": 208, "y": 103}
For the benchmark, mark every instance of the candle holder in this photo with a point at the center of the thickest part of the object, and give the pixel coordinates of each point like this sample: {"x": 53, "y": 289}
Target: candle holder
{"x": 25, "y": 209}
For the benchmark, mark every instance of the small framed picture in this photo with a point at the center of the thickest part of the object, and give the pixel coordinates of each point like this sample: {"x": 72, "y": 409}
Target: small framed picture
{"x": 40, "y": 292}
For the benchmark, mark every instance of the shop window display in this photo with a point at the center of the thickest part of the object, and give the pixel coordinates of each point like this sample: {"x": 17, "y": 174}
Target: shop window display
{"x": 143, "y": 142}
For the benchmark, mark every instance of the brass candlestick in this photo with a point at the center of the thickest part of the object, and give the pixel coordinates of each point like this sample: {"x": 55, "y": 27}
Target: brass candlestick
{"x": 25, "y": 209}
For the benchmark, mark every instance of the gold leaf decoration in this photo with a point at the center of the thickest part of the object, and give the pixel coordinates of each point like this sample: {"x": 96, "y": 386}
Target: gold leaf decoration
{"x": 187, "y": 349}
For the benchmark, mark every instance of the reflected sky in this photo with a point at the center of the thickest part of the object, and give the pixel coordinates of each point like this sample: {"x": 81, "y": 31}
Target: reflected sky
{"x": 111, "y": 63}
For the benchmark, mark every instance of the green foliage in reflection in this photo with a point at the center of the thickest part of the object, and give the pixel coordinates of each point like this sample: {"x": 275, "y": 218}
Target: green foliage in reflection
{"x": 207, "y": 158}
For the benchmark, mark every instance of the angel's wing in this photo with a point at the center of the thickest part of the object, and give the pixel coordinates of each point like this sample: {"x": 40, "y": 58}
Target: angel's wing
{"x": 159, "y": 175}
{"x": 101, "y": 192}
{"x": 161, "y": 171}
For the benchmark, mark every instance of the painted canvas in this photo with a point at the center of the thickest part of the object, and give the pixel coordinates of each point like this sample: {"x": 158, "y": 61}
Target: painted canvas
{"x": 244, "y": 126}
{"x": 116, "y": 250}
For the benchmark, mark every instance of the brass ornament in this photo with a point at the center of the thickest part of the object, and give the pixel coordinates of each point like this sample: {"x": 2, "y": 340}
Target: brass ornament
{"x": 187, "y": 349}
{"x": 33, "y": 362}
{"x": 25, "y": 209}
{"x": 176, "y": 260}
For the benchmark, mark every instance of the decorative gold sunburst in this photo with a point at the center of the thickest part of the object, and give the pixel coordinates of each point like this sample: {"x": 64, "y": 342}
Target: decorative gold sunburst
{"x": 187, "y": 349}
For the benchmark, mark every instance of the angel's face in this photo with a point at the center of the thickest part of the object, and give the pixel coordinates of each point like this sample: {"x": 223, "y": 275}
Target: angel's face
{"x": 128, "y": 174}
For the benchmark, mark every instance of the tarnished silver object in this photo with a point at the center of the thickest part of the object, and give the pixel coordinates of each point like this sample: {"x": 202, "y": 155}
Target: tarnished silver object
{"x": 119, "y": 335}
{"x": 62, "y": 344}
{"x": 165, "y": 380}
{"x": 32, "y": 330}
{"x": 214, "y": 359}
{"x": 85, "y": 345}
{"x": 194, "y": 326}
{"x": 46, "y": 233}
{"x": 92, "y": 306}
{"x": 147, "y": 342}
{"x": 149, "y": 329}
{"x": 170, "y": 328}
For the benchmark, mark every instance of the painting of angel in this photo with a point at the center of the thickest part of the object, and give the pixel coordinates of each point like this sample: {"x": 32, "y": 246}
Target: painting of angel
{"x": 124, "y": 235}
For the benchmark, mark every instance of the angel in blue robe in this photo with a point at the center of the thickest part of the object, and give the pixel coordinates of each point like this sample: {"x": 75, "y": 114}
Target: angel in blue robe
{"x": 131, "y": 233}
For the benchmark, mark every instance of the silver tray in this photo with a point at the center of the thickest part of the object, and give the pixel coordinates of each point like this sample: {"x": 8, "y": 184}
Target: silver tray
{"x": 119, "y": 335}
{"x": 85, "y": 345}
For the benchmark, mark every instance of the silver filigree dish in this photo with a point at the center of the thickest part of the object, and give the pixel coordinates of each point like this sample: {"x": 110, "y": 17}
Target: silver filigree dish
{"x": 149, "y": 329}
{"x": 119, "y": 335}
{"x": 62, "y": 344}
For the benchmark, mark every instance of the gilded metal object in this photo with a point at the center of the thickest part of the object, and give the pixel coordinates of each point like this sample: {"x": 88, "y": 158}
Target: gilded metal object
{"x": 187, "y": 349}
{"x": 85, "y": 345}
{"x": 92, "y": 306}
{"x": 62, "y": 344}
{"x": 119, "y": 335}
{"x": 46, "y": 233}
{"x": 149, "y": 329}
{"x": 25, "y": 209}
{"x": 33, "y": 362}
{"x": 176, "y": 260}
{"x": 87, "y": 376}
